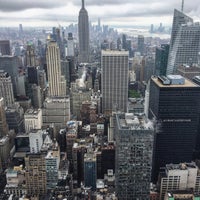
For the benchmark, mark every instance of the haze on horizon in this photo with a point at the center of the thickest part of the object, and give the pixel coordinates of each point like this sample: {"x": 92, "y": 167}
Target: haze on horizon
{"x": 111, "y": 12}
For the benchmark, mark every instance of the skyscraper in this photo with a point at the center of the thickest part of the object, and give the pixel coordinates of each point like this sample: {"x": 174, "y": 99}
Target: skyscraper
{"x": 161, "y": 59}
{"x": 114, "y": 80}
{"x": 70, "y": 45}
{"x": 141, "y": 44}
{"x": 134, "y": 149}
{"x": 5, "y": 47}
{"x": 174, "y": 104}
{"x": 36, "y": 177}
{"x": 3, "y": 123}
{"x": 57, "y": 82}
{"x": 83, "y": 33}
{"x": 11, "y": 65}
{"x": 30, "y": 56}
{"x": 185, "y": 42}
{"x": 6, "y": 88}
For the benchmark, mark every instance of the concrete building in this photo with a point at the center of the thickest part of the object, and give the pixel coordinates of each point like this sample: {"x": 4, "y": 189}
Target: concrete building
{"x": 3, "y": 123}
{"x": 114, "y": 80}
{"x": 35, "y": 140}
{"x": 56, "y": 111}
{"x": 5, "y": 47}
{"x": 83, "y": 34}
{"x": 133, "y": 157}
{"x": 188, "y": 72}
{"x": 30, "y": 56}
{"x": 57, "y": 82}
{"x": 179, "y": 177}
{"x": 174, "y": 106}
{"x": 76, "y": 98}
{"x": 15, "y": 118}
{"x": 52, "y": 160}
{"x": 6, "y": 88}
{"x": 33, "y": 119}
{"x": 16, "y": 181}
{"x": 5, "y": 151}
{"x": 36, "y": 96}
{"x": 70, "y": 45}
{"x": 35, "y": 173}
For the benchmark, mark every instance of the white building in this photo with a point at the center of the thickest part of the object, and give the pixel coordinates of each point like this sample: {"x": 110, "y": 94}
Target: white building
{"x": 180, "y": 177}
{"x": 33, "y": 119}
{"x": 35, "y": 140}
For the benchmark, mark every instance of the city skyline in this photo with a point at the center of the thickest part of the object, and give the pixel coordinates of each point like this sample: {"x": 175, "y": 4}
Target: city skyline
{"x": 51, "y": 13}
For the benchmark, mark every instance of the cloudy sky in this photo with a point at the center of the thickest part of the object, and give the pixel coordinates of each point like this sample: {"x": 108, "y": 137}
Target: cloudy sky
{"x": 111, "y": 12}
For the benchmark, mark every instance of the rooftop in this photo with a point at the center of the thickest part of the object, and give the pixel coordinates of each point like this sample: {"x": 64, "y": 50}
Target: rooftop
{"x": 188, "y": 83}
{"x": 133, "y": 122}
{"x": 181, "y": 166}
{"x": 114, "y": 53}
{"x": 32, "y": 112}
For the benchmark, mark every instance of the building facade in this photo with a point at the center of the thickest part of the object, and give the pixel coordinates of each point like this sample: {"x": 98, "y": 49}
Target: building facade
{"x": 133, "y": 157}
{"x": 57, "y": 82}
{"x": 114, "y": 80}
{"x": 174, "y": 106}
{"x": 6, "y": 88}
{"x": 184, "y": 44}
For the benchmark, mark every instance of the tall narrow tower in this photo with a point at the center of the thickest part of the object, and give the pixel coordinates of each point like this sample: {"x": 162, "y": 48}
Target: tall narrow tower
{"x": 57, "y": 83}
{"x": 83, "y": 33}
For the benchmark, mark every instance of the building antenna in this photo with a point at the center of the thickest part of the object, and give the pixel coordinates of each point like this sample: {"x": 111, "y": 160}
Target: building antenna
{"x": 182, "y": 7}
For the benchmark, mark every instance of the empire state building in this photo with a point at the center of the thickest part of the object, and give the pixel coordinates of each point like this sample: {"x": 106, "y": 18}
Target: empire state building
{"x": 83, "y": 32}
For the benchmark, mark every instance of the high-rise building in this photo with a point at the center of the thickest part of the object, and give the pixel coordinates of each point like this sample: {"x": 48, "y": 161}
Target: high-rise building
{"x": 83, "y": 33}
{"x": 35, "y": 140}
{"x": 36, "y": 176}
{"x": 5, "y": 148}
{"x": 134, "y": 150}
{"x": 56, "y": 111}
{"x": 36, "y": 96}
{"x": 90, "y": 170}
{"x": 57, "y": 82}
{"x": 124, "y": 44}
{"x": 3, "y": 123}
{"x": 6, "y": 88}
{"x": 5, "y": 47}
{"x": 52, "y": 166}
{"x": 179, "y": 177}
{"x": 15, "y": 118}
{"x": 70, "y": 45}
{"x": 174, "y": 105}
{"x": 140, "y": 44}
{"x": 30, "y": 56}
{"x": 11, "y": 65}
{"x": 185, "y": 42}
{"x": 161, "y": 59}
{"x": 33, "y": 119}
{"x": 114, "y": 80}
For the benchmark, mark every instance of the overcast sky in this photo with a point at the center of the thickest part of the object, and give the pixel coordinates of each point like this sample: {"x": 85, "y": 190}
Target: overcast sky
{"x": 111, "y": 12}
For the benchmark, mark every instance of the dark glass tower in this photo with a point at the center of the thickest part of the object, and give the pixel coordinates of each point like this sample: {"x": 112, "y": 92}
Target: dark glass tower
{"x": 175, "y": 108}
{"x": 83, "y": 32}
{"x": 161, "y": 59}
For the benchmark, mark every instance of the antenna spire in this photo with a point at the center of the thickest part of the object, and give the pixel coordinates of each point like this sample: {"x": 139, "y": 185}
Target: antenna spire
{"x": 83, "y": 4}
{"x": 182, "y": 7}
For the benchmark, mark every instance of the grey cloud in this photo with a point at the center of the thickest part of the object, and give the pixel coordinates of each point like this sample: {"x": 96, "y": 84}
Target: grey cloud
{"x": 19, "y": 5}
